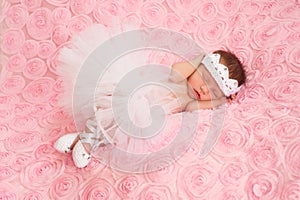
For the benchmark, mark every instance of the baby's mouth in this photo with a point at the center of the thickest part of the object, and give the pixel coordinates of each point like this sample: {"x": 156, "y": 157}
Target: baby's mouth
{"x": 197, "y": 94}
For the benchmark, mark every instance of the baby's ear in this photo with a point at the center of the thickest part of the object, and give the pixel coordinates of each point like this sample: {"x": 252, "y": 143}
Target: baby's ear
{"x": 233, "y": 96}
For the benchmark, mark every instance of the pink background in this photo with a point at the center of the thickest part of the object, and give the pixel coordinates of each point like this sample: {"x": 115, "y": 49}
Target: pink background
{"x": 258, "y": 153}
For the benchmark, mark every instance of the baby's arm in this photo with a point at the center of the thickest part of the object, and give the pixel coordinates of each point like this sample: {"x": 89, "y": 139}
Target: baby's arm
{"x": 182, "y": 70}
{"x": 196, "y": 105}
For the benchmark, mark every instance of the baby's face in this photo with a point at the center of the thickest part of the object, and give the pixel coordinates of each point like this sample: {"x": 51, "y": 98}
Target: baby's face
{"x": 202, "y": 86}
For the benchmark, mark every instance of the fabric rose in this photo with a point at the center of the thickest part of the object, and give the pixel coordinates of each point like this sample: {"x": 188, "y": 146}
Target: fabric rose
{"x": 229, "y": 193}
{"x": 238, "y": 38}
{"x": 39, "y": 90}
{"x": 128, "y": 186}
{"x": 65, "y": 187}
{"x": 207, "y": 10}
{"x": 244, "y": 54}
{"x": 58, "y": 3}
{"x": 46, "y": 48}
{"x": 260, "y": 126}
{"x": 20, "y": 161}
{"x": 8, "y": 100}
{"x": 22, "y": 142}
{"x": 6, "y": 157}
{"x": 41, "y": 173}
{"x": 286, "y": 12}
{"x": 13, "y": 84}
{"x": 151, "y": 191}
{"x": 235, "y": 138}
{"x": 285, "y": 129}
{"x": 152, "y": 14}
{"x": 264, "y": 184}
{"x": 6, "y": 115}
{"x": 61, "y": 16}
{"x": 55, "y": 117}
{"x": 190, "y": 23}
{"x": 78, "y": 23}
{"x": 293, "y": 58}
{"x": 173, "y": 21}
{"x": 35, "y": 68}
{"x": 195, "y": 180}
{"x": 286, "y": 90}
{"x": 264, "y": 154}
{"x": 82, "y": 6}
{"x": 132, "y": 5}
{"x": 250, "y": 109}
{"x": 291, "y": 190}
{"x": 292, "y": 158}
{"x": 8, "y": 191}
{"x": 107, "y": 12}
{"x": 228, "y": 7}
{"x": 16, "y": 16}
{"x": 272, "y": 73}
{"x": 212, "y": 33}
{"x": 44, "y": 150}
{"x": 39, "y": 25}
{"x": 30, "y": 48}
{"x": 131, "y": 20}
{"x": 33, "y": 195}
{"x": 233, "y": 173}
{"x": 12, "y": 41}
{"x": 276, "y": 111}
{"x": 250, "y": 7}
{"x": 16, "y": 63}
{"x": 261, "y": 60}
{"x": 98, "y": 188}
{"x": 265, "y": 36}
{"x": 279, "y": 53}
{"x": 60, "y": 34}
{"x": 23, "y": 123}
{"x": 182, "y": 7}
{"x": 39, "y": 110}
{"x": 31, "y": 5}
{"x": 7, "y": 173}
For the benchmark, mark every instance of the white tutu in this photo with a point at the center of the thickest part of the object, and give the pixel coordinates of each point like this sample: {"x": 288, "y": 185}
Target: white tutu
{"x": 132, "y": 101}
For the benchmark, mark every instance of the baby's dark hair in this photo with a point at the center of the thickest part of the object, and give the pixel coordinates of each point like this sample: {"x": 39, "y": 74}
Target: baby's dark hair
{"x": 235, "y": 67}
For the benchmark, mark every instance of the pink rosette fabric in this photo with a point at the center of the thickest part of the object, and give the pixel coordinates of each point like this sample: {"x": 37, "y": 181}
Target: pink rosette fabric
{"x": 234, "y": 140}
{"x": 40, "y": 173}
{"x": 153, "y": 14}
{"x": 127, "y": 186}
{"x": 39, "y": 24}
{"x": 291, "y": 190}
{"x": 35, "y": 68}
{"x": 233, "y": 173}
{"x": 30, "y": 48}
{"x": 31, "y": 5}
{"x": 61, "y": 15}
{"x": 13, "y": 85}
{"x": 264, "y": 184}
{"x": 12, "y": 41}
{"x": 16, "y": 63}
{"x": 65, "y": 186}
{"x": 291, "y": 158}
{"x": 45, "y": 49}
{"x": 150, "y": 191}
{"x": 39, "y": 90}
{"x": 285, "y": 129}
{"x": 196, "y": 180}
{"x": 16, "y": 16}
{"x": 98, "y": 188}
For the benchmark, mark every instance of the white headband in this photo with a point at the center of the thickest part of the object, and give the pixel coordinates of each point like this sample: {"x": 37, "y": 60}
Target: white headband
{"x": 221, "y": 74}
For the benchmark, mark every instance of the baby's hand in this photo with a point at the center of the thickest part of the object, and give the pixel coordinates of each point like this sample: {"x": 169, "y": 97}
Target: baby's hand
{"x": 231, "y": 98}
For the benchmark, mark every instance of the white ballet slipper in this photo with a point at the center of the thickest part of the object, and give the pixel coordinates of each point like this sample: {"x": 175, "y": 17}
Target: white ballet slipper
{"x": 64, "y": 143}
{"x": 80, "y": 156}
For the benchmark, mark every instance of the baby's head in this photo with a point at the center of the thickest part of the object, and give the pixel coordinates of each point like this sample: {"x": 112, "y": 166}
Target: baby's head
{"x": 220, "y": 74}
